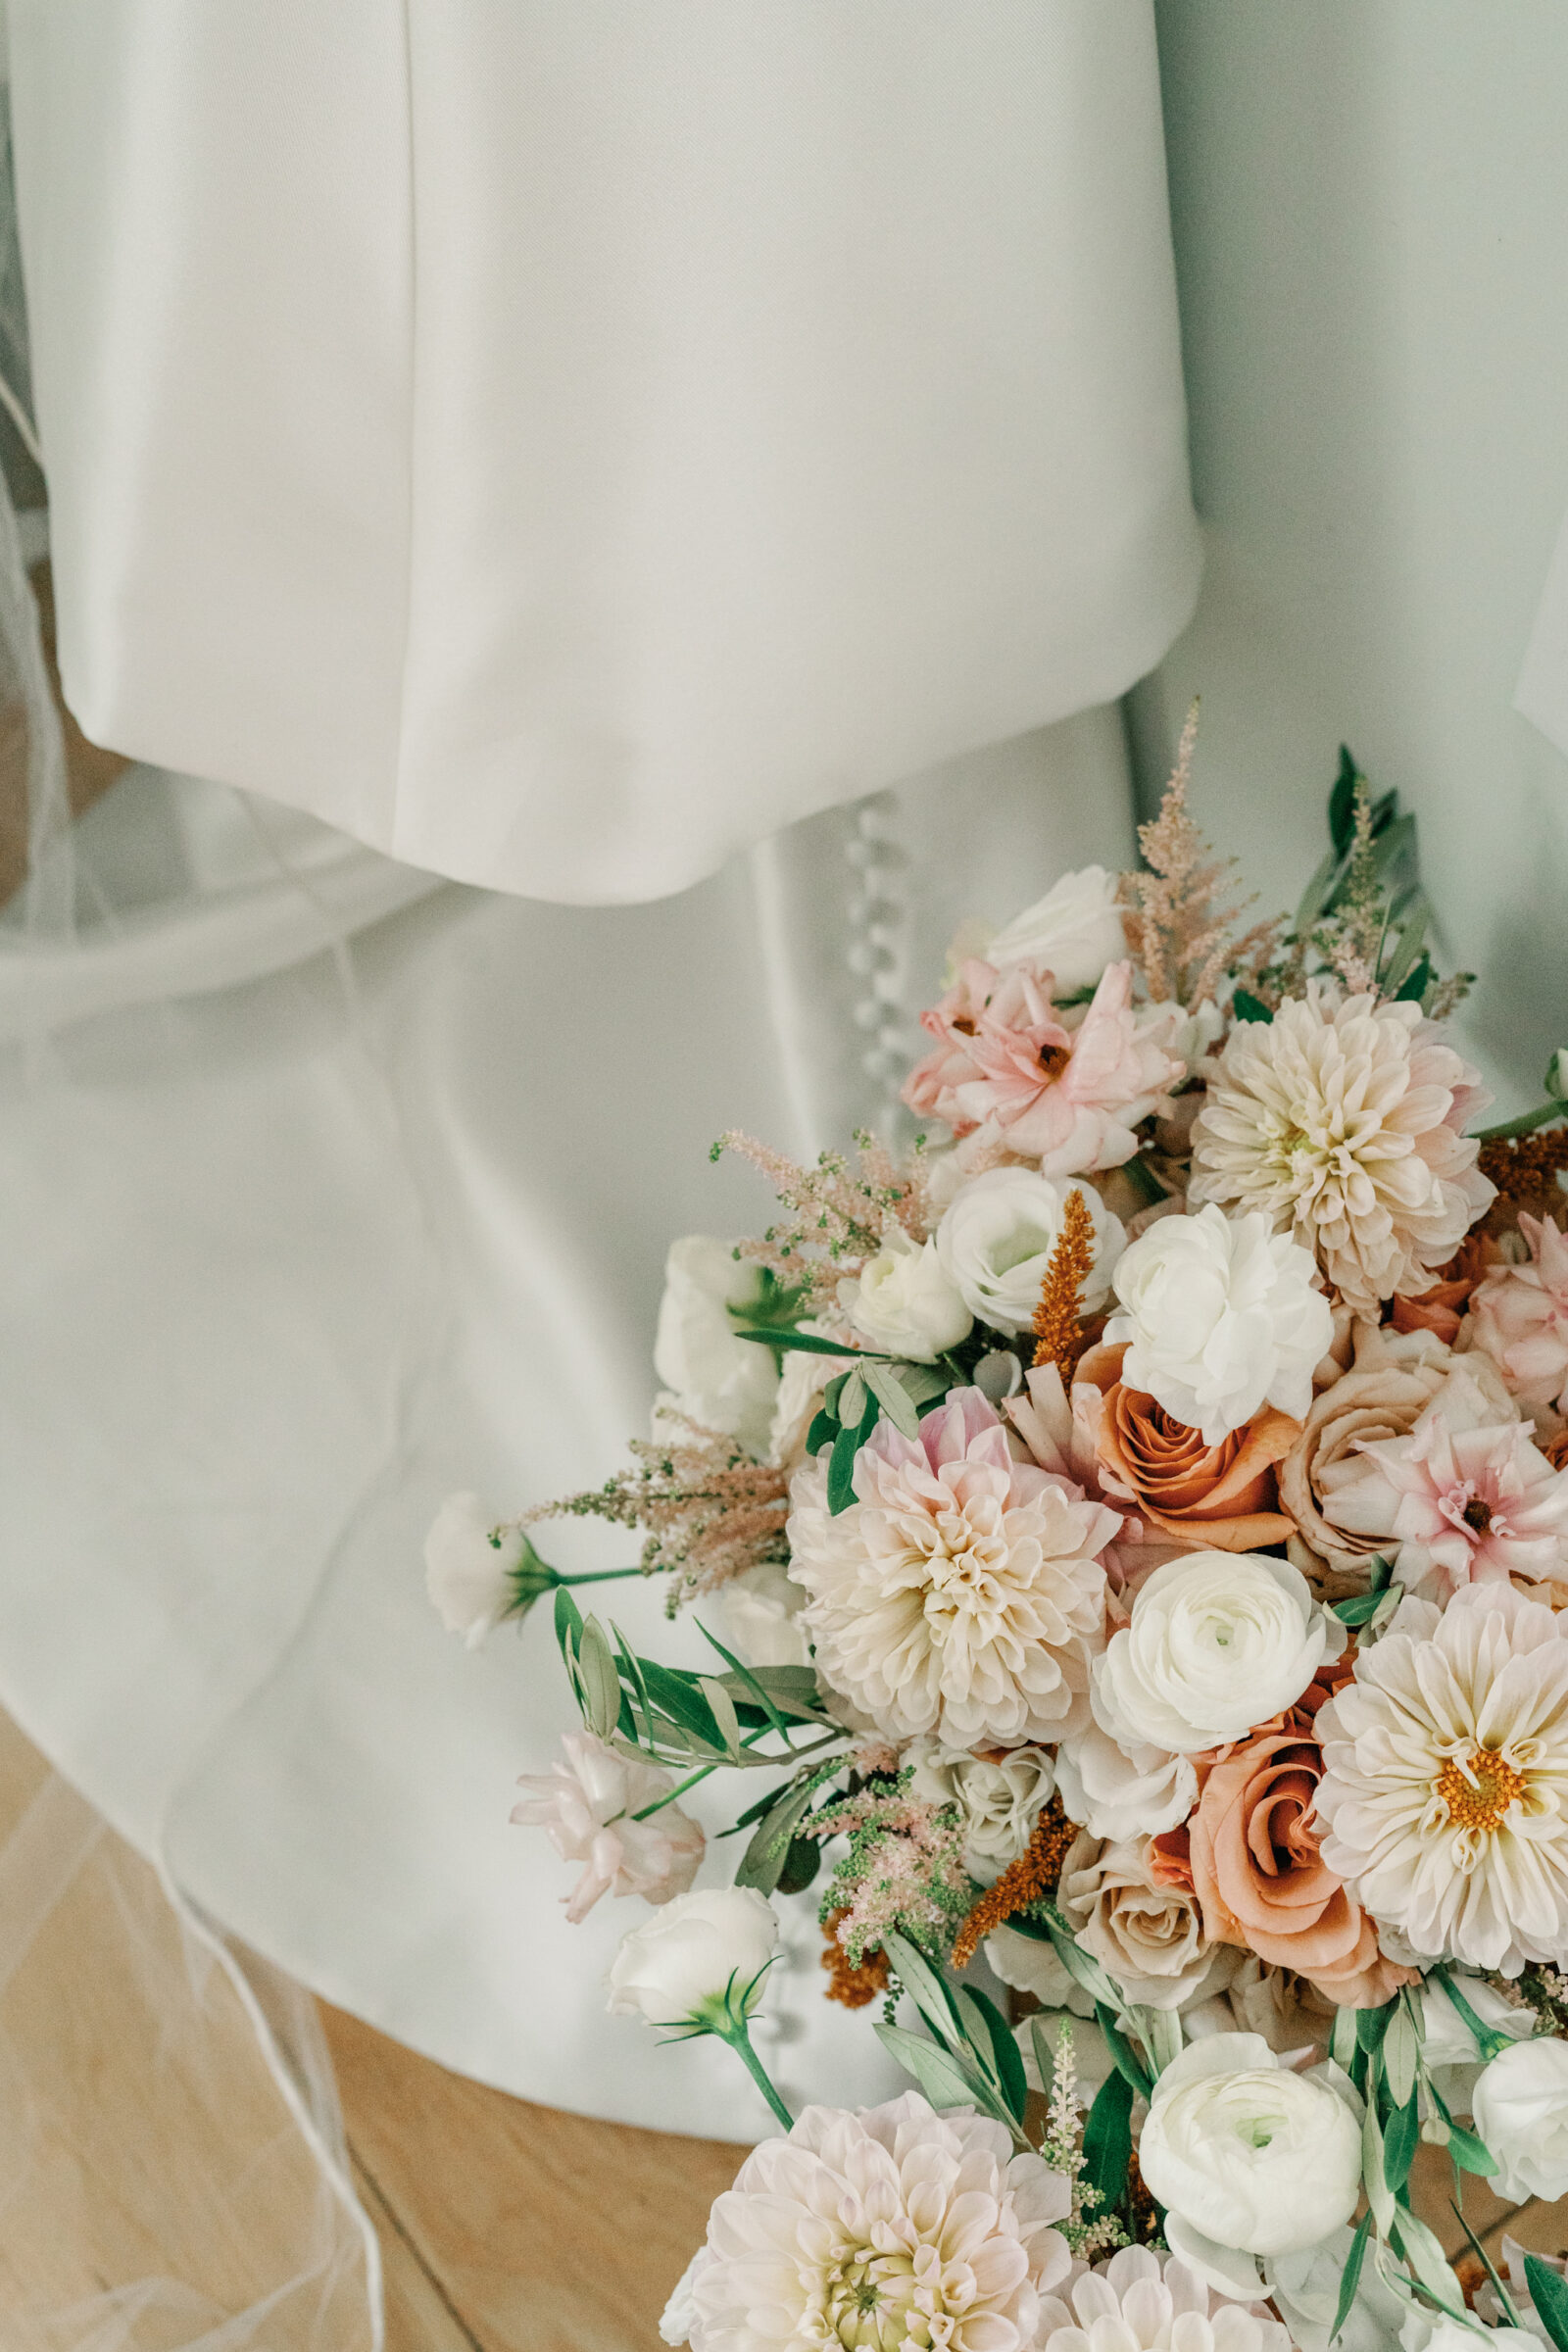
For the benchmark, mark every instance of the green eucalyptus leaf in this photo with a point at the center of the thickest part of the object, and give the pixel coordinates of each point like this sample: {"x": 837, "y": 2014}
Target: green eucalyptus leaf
{"x": 923, "y": 1983}
{"x": 1401, "y": 2055}
{"x": 1379, "y": 2195}
{"x": 1470, "y": 2154}
{"x": 762, "y": 1863}
{"x": 598, "y": 1683}
{"x": 1550, "y": 2295}
{"x": 822, "y": 1432}
{"x": 995, "y": 2045}
{"x": 1108, "y": 2140}
{"x": 894, "y": 1398}
{"x": 946, "y": 2081}
{"x": 840, "y": 1470}
{"x": 723, "y": 1712}
{"x": 851, "y": 1401}
{"x": 1248, "y": 1008}
{"x": 1399, "y": 2138}
{"x": 1351, "y": 2277}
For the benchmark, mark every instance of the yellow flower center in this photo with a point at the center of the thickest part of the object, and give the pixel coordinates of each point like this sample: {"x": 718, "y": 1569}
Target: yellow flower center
{"x": 1478, "y": 1793}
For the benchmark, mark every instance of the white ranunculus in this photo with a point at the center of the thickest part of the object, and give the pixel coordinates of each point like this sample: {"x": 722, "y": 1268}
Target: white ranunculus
{"x": 1221, "y": 1318}
{"x": 1219, "y": 1640}
{"x": 996, "y": 1238}
{"x": 1521, "y": 2112}
{"x": 905, "y": 1303}
{"x": 1073, "y": 932}
{"x": 1001, "y": 1799}
{"x": 1123, "y": 1791}
{"x": 469, "y": 1561}
{"x": 696, "y": 1952}
{"x": 761, "y": 1613}
{"x": 724, "y": 1382}
{"x": 1248, "y": 2153}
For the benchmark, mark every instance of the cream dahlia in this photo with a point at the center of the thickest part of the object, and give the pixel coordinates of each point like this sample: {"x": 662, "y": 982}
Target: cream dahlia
{"x": 1343, "y": 1122}
{"x": 962, "y": 1593}
{"x": 1445, "y": 1790}
{"x": 885, "y": 2230}
{"x": 1138, "y": 2303}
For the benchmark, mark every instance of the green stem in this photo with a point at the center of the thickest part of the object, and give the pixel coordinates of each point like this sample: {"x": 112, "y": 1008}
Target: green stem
{"x": 599, "y": 1576}
{"x": 740, "y": 2041}
{"x": 794, "y": 1755}
{"x": 1526, "y": 1124}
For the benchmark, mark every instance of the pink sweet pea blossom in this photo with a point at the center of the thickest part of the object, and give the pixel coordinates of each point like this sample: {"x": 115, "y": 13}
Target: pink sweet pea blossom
{"x": 586, "y": 1806}
{"x": 1011, "y": 1076}
{"x": 1465, "y": 1505}
{"x": 1519, "y": 1316}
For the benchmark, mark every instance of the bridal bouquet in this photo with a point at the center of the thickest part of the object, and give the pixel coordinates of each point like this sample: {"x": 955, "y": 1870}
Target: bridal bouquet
{"x": 1130, "y": 1528}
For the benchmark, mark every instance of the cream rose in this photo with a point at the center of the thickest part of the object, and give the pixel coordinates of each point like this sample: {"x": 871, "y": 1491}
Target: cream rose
{"x": 1219, "y": 1640}
{"x": 996, "y": 1238}
{"x": 700, "y": 1951}
{"x": 1147, "y": 1934}
{"x": 1073, "y": 932}
{"x": 1000, "y": 1796}
{"x": 1123, "y": 1791}
{"x": 712, "y": 1376}
{"x": 1521, "y": 2111}
{"x": 1247, "y": 2153}
{"x": 905, "y": 1303}
{"x": 1221, "y": 1318}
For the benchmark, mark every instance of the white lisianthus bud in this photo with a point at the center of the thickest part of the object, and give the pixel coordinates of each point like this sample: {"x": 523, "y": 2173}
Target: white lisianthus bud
{"x": 1558, "y": 1075}
{"x": 713, "y": 1376}
{"x": 996, "y": 1238}
{"x": 905, "y": 1303}
{"x": 470, "y": 1567}
{"x": 1521, "y": 2112}
{"x": 700, "y": 1960}
{"x": 1248, "y": 2153}
{"x": 1073, "y": 932}
{"x": 1219, "y": 1640}
{"x": 1221, "y": 1318}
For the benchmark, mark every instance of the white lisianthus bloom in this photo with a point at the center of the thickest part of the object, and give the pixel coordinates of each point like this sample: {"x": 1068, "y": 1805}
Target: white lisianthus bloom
{"x": 1123, "y": 1791}
{"x": 1219, "y": 1640}
{"x": 1445, "y": 1791}
{"x": 701, "y": 1950}
{"x": 1449, "y": 2047}
{"x": 1000, "y": 1796}
{"x": 997, "y": 1234}
{"x": 1248, "y": 2153}
{"x": 905, "y": 1303}
{"x": 1521, "y": 2112}
{"x": 1073, "y": 932}
{"x": 724, "y": 1382}
{"x": 891, "y": 2228}
{"x": 761, "y": 1613}
{"x": 1137, "y": 2302}
{"x": 469, "y": 1562}
{"x": 1221, "y": 1318}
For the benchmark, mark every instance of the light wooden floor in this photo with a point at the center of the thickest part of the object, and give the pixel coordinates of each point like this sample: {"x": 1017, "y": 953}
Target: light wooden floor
{"x": 504, "y": 2226}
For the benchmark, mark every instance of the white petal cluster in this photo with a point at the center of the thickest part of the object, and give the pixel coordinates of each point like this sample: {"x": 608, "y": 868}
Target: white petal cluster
{"x": 713, "y": 1376}
{"x": 1073, "y": 932}
{"x": 1219, "y": 1640}
{"x": 892, "y": 2227}
{"x": 1521, "y": 2112}
{"x": 698, "y": 1951}
{"x": 1343, "y": 1124}
{"x": 997, "y": 1237}
{"x": 1445, "y": 1794}
{"x": 1138, "y": 2303}
{"x": 1123, "y": 1790}
{"x": 469, "y": 1561}
{"x": 1247, "y": 2153}
{"x": 905, "y": 1303}
{"x": 1000, "y": 1796}
{"x": 1220, "y": 1316}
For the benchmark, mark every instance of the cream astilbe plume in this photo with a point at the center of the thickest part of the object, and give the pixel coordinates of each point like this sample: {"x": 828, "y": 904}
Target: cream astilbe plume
{"x": 1344, "y": 1123}
{"x": 1179, "y": 914}
{"x": 840, "y": 1214}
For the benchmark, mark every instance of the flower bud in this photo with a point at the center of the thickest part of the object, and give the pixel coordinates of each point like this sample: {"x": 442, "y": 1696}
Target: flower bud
{"x": 700, "y": 1961}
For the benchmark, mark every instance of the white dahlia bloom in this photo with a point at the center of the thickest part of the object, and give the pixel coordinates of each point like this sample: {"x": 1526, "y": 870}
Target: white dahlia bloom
{"x": 881, "y": 2232}
{"x": 1343, "y": 1122}
{"x": 962, "y": 1593}
{"x": 1138, "y": 2303}
{"x": 1445, "y": 1790}
{"x": 1221, "y": 1318}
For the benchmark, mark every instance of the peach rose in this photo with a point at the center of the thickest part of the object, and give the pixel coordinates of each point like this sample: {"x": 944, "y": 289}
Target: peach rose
{"x": 1220, "y": 1497}
{"x": 1441, "y": 1309}
{"x": 1261, "y": 1882}
{"x": 1392, "y": 1379}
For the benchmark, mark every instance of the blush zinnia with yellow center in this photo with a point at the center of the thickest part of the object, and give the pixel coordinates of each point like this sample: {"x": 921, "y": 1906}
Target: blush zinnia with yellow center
{"x": 1444, "y": 1800}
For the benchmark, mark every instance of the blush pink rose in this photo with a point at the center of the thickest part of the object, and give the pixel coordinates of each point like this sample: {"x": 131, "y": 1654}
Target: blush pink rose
{"x": 1519, "y": 1317}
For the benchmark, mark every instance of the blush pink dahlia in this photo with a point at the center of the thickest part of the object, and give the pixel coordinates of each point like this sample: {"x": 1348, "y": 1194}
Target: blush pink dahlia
{"x": 962, "y": 1593}
{"x": 1010, "y": 1075}
{"x": 1344, "y": 1124}
{"x": 1519, "y": 1317}
{"x": 586, "y": 1805}
{"x": 883, "y": 2230}
{"x": 1463, "y": 1498}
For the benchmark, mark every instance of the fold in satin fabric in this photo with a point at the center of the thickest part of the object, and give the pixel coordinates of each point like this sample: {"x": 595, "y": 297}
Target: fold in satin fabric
{"x": 560, "y": 444}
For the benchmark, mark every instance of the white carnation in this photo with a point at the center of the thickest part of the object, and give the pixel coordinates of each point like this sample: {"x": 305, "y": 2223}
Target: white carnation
{"x": 1221, "y": 1318}
{"x": 905, "y": 1303}
{"x": 1219, "y": 1640}
{"x": 713, "y": 1376}
{"x": 996, "y": 1238}
{"x": 1073, "y": 932}
{"x": 1247, "y": 2153}
{"x": 1521, "y": 2112}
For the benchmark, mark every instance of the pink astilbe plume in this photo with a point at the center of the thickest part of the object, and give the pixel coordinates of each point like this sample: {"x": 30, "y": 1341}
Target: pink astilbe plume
{"x": 841, "y": 1213}
{"x": 904, "y": 1873}
{"x": 709, "y": 1511}
{"x": 1179, "y": 914}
